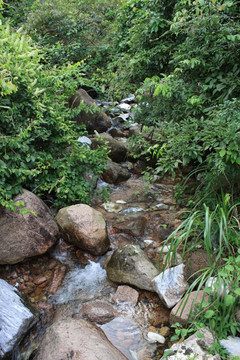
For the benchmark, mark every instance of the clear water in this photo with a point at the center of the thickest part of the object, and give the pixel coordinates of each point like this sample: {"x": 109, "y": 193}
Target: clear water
{"x": 81, "y": 284}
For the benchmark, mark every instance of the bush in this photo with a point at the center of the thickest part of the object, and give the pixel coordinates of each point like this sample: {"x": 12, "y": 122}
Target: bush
{"x": 38, "y": 142}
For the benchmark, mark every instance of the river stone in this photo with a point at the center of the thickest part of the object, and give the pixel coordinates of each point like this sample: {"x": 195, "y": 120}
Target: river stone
{"x": 24, "y": 236}
{"x": 84, "y": 227}
{"x": 97, "y": 120}
{"x": 16, "y": 318}
{"x": 130, "y": 265}
{"x": 99, "y": 312}
{"x": 170, "y": 285}
{"x": 76, "y": 339}
{"x": 118, "y": 150}
{"x": 194, "y": 348}
{"x": 115, "y": 173}
{"x": 126, "y": 294}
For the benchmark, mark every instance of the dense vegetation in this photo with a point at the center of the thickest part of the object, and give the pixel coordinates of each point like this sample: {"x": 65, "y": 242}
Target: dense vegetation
{"x": 182, "y": 59}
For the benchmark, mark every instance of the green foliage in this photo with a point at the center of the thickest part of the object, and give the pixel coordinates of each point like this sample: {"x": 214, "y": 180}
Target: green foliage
{"x": 38, "y": 139}
{"x": 142, "y": 44}
{"x": 216, "y": 232}
{"x": 71, "y": 33}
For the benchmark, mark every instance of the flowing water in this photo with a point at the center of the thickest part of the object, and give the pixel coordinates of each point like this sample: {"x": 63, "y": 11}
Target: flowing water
{"x": 135, "y": 214}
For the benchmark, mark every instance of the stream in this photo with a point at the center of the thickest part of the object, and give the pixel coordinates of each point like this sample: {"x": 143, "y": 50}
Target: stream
{"x": 134, "y": 215}
{"x": 61, "y": 281}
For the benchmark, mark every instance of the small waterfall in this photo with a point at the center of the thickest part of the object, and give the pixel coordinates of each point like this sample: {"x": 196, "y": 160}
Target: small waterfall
{"x": 81, "y": 284}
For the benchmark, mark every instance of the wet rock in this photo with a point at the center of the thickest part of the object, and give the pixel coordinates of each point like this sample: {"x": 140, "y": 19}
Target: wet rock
{"x": 24, "y": 236}
{"x": 124, "y": 107}
{"x": 118, "y": 150}
{"x": 16, "y": 317}
{"x": 130, "y": 99}
{"x": 85, "y": 257}
{"x": 115, "y": 173}
{"x": 170, "y": 285}
{"x": 112, "y": 207}
{"x": 84, "y": 227}
{"x": 76, "y": 339}
{"x": 181, "y": 311}
{"x": 126, "y": 294}
{"x": 122, "y": 117}
{"x": 99, "y": 312}
{"x": 232, "y": 345}
{"x": 58, "y": 277}
{"x": 194, "y": 348}
{"x": 164, "y": 331}
{"x": 96, "y": 120}
{"x": 130, "y": 265}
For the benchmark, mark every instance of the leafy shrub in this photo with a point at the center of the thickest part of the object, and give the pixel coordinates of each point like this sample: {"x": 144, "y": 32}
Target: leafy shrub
{"x": 38, "y": 139}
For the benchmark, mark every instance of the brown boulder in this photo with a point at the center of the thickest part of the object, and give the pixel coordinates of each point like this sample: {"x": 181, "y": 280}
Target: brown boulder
{"x": 117, "y": 149}
{"x": 115, "y": 173}
{"x": 24, "y": 236}
{"x": 84, "y": 227}
{"x": 76, "y": 339}
{"x": 92, "y": 118}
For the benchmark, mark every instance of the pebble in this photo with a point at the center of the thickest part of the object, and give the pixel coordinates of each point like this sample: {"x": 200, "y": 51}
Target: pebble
{"x": 154, "y": 337}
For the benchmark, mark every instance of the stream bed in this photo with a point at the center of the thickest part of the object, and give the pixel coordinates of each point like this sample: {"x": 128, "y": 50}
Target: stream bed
{"x": 61, "y": 281}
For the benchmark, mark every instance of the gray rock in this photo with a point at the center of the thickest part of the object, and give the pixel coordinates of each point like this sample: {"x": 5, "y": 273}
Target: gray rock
{"x": 17, "y": 316}
{"x": 115, "y": 173}
{"x": 130, "y": 265}
{"x": 123, "y": 117}
{"x": 85, "y": 141}
{"x": 24, "y": 236}
{"x": 76, "y": 339}
{"x": 194, "y": 348}
{"x": 170, "y": 285}
{"x": 83, "y": 227}
{"x": 118, "y": 150}
{"x": 124, "y": 107}
{"x": 93, "y": 119}
{"x": 232, "y": 345}
{"x": 130, "y": 99}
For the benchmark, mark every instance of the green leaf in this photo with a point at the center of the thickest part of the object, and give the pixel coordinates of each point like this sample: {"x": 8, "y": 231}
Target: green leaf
{"x": 229, "y": 300}
{"x": 209, "y": 314}
{"x": 237, "y": 291}
{"x": 222, "y": 152}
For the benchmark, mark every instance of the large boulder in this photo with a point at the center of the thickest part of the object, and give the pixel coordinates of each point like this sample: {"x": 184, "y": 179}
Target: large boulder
{"x": 84, "y": 227}
{"x": 93, "y": 119}
{"x": 115, "y": 173}
{"x": 16, "y": 317}
{"x": 76, "y": 339}
{"x": 130, "y": 265}
{"x": 24, "y": 236}
{"x": 117, "y": 150}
